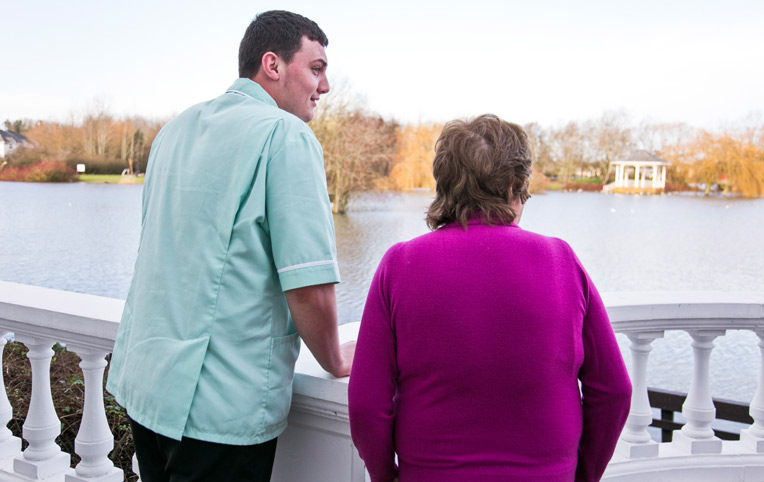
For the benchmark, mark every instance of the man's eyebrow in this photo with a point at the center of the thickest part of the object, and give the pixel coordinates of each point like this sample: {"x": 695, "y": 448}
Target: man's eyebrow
{"x": 322, "y": 61}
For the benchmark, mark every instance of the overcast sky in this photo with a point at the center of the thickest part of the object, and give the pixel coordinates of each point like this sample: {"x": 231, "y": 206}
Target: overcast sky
{"x": 700, "y": 62}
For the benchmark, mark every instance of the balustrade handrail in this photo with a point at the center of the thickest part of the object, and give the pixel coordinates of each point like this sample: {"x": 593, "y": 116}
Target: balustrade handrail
{"x": 93, "y": 320}
{"x": 631, "y": 312}
{"x": 67, "y": 317}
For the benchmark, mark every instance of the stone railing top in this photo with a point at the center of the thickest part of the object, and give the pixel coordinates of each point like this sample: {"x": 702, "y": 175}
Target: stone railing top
{"x": 89, "y": 320}
{"x": 64, "y": 316}
{"x": 684, "y": 310}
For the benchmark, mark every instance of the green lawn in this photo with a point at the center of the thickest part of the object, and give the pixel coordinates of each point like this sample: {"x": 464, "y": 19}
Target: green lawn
{"x": 111, "y": 179}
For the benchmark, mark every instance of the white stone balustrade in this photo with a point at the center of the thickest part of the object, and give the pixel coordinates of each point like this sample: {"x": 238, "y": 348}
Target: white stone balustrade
{"x": 695, "y": 454}
{"x": 317, "y": 447}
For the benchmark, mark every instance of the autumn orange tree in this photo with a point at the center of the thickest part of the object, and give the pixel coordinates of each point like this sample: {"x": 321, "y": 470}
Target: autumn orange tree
{"x": 733, "y": 160}
{"x": 412, "y": 165}
{"x": 54, "y": 140}
{"x": 672, "y": 142}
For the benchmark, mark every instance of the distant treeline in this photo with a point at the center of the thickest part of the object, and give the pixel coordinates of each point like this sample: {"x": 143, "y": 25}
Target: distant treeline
{"x": 363, "y": 151}
{"x": 104, "y": 143}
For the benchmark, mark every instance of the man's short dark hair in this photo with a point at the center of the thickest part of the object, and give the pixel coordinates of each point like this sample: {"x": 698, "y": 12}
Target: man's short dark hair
{"x": 275, "y": 31}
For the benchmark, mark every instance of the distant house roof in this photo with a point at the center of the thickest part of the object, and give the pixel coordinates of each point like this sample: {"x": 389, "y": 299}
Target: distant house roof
{"x": 640, "y": 156}
{"x": 10, "y": 136}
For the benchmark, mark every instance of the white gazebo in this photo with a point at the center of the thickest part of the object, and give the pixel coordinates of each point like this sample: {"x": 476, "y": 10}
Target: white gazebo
{"x": 639, "y": 170}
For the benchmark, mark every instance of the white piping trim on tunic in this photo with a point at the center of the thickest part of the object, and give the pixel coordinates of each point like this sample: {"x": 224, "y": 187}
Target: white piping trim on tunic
{"x": 306, "y": 265}
{"x": 238, "y": 92}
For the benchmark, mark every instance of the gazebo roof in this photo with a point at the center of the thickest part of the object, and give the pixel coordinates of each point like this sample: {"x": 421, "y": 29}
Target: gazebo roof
{"x": 640, "y": 156}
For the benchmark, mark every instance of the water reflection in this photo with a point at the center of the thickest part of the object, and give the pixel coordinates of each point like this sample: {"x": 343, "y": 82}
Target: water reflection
{"x": 375, "y": 222}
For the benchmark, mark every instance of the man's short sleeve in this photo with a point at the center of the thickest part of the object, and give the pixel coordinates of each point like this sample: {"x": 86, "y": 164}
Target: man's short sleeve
{"x": 299, "y": 214}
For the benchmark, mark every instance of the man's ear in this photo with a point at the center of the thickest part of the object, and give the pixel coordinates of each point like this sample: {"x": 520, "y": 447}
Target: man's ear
{"x": 271, "y": 65}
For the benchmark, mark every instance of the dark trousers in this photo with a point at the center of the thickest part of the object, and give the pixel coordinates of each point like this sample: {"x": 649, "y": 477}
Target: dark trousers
{"x": 162, "y": 459}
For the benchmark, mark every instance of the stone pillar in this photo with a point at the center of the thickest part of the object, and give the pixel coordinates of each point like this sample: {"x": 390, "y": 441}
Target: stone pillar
{"x": 43, "y": 458}
{"x": 94, "y": 439}
{"x": 697, "y": 436}
{"x": 753, "y": 437}
{"x": 10, "y": 446}
{"x": 635, "y": 441}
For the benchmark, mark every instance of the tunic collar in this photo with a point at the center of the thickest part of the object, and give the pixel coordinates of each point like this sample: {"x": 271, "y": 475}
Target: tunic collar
{"x": 250, "y": 88}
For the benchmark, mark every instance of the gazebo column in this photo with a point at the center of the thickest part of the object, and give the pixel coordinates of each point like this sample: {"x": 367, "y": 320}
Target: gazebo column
{"x": 636, "y": 175}
{"x": 618, "y": 175}
{"x": 655, "y": 176}
{"x": 663, "y": 178}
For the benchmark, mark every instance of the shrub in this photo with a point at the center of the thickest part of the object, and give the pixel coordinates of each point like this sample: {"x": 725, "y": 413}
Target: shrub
{"x": 539, "y": 182}
{"x": 24, "y": 156}
{"x": 45, "y": 171}
{"x": 100, "y": 166}
{"x": 583, "y": 186}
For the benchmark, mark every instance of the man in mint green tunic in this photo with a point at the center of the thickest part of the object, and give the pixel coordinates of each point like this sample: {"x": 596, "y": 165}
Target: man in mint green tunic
{"x": 236, "y": 263}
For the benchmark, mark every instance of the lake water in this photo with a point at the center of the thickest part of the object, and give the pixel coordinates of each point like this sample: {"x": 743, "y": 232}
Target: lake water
{"x": 83, "y": 237}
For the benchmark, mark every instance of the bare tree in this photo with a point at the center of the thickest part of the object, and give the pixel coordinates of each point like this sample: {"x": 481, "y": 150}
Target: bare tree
{"x": 610, "y": 137}
{"x": 96, "y": 124}
{"x": 567, "y": 149}
{"x": 540, "y": 142}
{"x": 358, "y": 147}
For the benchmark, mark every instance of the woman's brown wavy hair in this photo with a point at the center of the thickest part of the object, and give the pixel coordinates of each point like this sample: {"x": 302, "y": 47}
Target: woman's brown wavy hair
{"x": 481, "y": 166}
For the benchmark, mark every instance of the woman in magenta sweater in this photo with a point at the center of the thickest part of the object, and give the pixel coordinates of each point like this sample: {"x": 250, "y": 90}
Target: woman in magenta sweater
{"x": 475, "y": 337}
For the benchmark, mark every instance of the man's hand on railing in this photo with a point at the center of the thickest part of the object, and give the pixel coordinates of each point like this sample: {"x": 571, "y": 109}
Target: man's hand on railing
{"x": 314, "y": 311}
{"x": 348, "y": 352}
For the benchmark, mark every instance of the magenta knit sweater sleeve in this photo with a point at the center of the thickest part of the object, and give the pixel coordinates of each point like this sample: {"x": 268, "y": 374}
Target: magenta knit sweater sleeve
{"x": 372, "y": 388}
{"x": 606, "y": 391}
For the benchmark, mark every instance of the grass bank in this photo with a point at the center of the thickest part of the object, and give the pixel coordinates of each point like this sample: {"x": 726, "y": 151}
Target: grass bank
{"x": 110, "y": 179}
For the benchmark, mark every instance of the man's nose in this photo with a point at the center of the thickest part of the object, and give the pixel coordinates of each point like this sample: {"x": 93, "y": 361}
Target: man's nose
{"x": 323, "y": 85}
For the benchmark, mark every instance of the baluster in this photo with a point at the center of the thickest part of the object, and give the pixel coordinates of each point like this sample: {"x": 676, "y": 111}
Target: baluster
{"x": 42, "y": 458}
{"x": 94, "y": 439}
{"x": 136, "y": 470}
{"x": 697, "y": 436}
{"x": 753, "y": 437}
{"x": 635, "y": 441}
{"x": 9, "y": 445}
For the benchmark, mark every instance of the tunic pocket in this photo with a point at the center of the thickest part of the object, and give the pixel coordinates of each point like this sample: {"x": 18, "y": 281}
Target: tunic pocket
{"x": 284, "y": 352}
